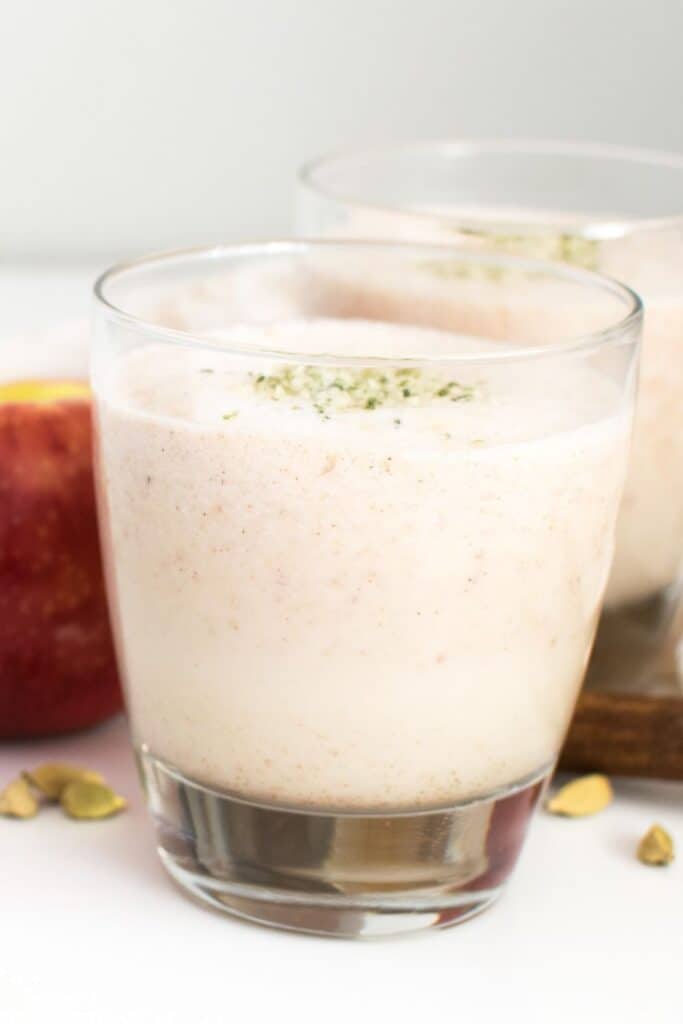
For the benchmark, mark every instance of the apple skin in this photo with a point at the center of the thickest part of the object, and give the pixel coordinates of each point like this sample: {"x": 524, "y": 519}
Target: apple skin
{"x": 57, "y": 664}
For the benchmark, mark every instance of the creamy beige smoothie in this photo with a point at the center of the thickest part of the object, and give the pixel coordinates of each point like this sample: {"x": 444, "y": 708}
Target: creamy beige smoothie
{"x": 339, "y": 587}
{"x": 649, "y": 548}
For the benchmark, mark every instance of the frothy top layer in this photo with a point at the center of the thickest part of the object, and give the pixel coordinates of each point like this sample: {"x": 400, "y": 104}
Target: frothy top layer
{"x": 452, "y": 404}
{"x": 649, "y": 260}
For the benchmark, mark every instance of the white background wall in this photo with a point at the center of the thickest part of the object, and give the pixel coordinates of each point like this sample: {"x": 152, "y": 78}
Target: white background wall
{"x": 137, "y": 124}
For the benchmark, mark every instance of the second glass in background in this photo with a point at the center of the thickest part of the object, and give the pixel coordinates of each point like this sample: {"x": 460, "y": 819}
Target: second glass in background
{"x": 616, "y": 211}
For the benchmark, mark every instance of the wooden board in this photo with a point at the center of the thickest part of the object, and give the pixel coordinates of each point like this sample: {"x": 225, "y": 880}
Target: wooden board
{"x": 626, "y": 735}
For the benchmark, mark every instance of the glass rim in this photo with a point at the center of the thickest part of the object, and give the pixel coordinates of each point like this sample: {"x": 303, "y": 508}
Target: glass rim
{"x": 594, "y": 227}
{"x": 614, "y": 332}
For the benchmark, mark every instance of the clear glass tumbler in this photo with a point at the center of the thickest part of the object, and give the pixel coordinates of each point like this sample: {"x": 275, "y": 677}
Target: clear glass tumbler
{"x": 355, "y": 561}
{"x": 608, "y": 209}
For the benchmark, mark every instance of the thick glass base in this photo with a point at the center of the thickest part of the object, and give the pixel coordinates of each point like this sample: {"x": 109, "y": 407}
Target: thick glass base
{"x": 350, "y": 875}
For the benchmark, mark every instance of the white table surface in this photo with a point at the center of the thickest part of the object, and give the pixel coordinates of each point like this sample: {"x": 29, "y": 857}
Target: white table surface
{"x": 92, "y": 930}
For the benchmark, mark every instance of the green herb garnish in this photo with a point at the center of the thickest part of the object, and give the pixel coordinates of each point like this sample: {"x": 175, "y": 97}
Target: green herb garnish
{"x": 339, "y": 389}
{"x": 565, "y": 247}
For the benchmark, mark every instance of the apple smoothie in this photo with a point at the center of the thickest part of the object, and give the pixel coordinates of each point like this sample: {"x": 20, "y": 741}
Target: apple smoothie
{"x": 365, "y": 587}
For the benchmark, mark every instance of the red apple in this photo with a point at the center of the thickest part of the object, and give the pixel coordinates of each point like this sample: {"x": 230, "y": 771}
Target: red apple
{"x": 57, "y": 666}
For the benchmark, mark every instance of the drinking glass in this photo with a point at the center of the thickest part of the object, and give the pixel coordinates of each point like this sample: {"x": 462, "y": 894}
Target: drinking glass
{"x": 618, "y": 211}
{"x": 355, "y": 560}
